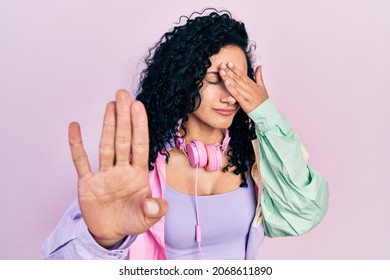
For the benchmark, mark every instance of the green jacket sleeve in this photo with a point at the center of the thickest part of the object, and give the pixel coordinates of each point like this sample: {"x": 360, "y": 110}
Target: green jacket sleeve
{"x": 294, "y": 197}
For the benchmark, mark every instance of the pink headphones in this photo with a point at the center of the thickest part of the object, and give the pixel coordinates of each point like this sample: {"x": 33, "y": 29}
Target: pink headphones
{"x": 199, "y": 155}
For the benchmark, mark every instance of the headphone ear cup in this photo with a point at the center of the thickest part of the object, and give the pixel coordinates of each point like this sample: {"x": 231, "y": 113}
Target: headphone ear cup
{"x": 214, "y": 158}
{"x": 197, "y": 154}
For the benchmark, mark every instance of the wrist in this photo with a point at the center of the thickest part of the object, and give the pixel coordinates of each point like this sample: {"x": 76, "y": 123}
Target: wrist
{"x": 107, "y": 242}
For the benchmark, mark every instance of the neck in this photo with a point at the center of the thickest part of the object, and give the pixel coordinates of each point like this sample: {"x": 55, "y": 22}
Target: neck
{"x": 206, "y": 134}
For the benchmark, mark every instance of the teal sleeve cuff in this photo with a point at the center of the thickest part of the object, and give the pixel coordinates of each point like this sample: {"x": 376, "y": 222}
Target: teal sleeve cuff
{"x": 266, "y": 116}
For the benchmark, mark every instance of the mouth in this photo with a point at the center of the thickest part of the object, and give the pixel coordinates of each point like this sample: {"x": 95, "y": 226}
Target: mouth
{"x": 225, "y": 112}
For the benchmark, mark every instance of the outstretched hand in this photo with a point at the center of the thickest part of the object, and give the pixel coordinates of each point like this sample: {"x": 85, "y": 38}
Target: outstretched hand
{"x": 116, "y": 200}
{"x": 248, "y": 93}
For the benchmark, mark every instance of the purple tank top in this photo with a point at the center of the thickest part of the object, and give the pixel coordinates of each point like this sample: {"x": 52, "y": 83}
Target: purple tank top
{"x": 225, "y": 218}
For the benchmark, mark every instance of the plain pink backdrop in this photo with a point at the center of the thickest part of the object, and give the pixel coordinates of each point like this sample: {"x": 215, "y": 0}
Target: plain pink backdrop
{"x": 326, "y": 65}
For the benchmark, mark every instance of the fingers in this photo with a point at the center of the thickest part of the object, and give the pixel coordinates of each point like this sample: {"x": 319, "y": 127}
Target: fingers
{"x": 79, "y": 156}
{"x": 235, "y": 81}
{"x": 107, "y": 141}
{"x": 238, "y": 84}
{"x": 140, "y": 140}
{"x": 236, "y": 90}
{"x": 260, "y": 81}
{"x": 124, "y": 134}
{"x": 123, "y": 128}
{"x": 259, "y": 76}
{"x": 248, "y": 93}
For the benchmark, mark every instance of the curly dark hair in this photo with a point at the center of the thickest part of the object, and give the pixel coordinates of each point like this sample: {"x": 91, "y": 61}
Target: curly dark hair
{"x": 170, "y": 84}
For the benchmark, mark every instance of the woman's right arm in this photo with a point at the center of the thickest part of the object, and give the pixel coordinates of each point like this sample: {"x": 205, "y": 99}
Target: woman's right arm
{"x": 71, "y": 240}
{"x": 114, "y": 202}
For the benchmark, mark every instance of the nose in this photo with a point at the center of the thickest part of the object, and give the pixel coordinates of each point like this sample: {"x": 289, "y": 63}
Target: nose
{"x": 227, "y": 98}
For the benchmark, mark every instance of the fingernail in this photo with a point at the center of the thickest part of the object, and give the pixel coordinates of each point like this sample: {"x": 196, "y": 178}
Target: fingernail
{"x": 222, "y": 72}
{"x": 223, "y": 66}
{"x": 122, "y": 94}
{"x": 152, "y": 207}
{"x": 230, "y": 65}
{"x": 227, "y": 82}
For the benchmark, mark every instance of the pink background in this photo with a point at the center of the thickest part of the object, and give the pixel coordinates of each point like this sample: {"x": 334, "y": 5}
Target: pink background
{"x": 326, "y": 65}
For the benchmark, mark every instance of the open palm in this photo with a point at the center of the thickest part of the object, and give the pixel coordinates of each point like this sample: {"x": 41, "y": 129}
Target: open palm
{"x": 116, "y": 201}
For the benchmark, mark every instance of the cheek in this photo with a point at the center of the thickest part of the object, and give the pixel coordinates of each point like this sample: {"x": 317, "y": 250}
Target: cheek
{"x": 203, "y": 110}
{"x": 203, "y": 88}
{"x": 204, "y": 97}
{"x": 209, "y": 94}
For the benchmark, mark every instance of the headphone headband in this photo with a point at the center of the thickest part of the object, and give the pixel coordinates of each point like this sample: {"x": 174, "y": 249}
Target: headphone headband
{"x": 181, "y": 143}
{"x": 200, "y": 155}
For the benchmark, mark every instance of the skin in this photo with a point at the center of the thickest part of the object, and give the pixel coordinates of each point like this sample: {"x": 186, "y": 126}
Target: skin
{"x": 116, "y": 201}
{"x": 207, "y": 125}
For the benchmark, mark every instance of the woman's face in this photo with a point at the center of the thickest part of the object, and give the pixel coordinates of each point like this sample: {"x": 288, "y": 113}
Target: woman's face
{"x": 218, "y": 107}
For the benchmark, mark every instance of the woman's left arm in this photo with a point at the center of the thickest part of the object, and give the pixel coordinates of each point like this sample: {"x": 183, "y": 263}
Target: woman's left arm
{"x": 295, "y": 197}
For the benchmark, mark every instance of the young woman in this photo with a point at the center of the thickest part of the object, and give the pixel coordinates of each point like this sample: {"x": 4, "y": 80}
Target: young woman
{"x": 196, "y": 140}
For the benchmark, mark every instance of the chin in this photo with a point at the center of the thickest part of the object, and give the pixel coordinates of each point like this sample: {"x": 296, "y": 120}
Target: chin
{"x": 223, "y": 124}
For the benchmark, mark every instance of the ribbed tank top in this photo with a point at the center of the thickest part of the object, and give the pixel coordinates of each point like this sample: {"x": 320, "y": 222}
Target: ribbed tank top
{"x": 225, "y": 218}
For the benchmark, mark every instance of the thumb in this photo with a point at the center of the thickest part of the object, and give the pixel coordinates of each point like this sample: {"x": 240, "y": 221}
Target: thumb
{"x": 259, "y": 76}
{"x": 154, "y": 209}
